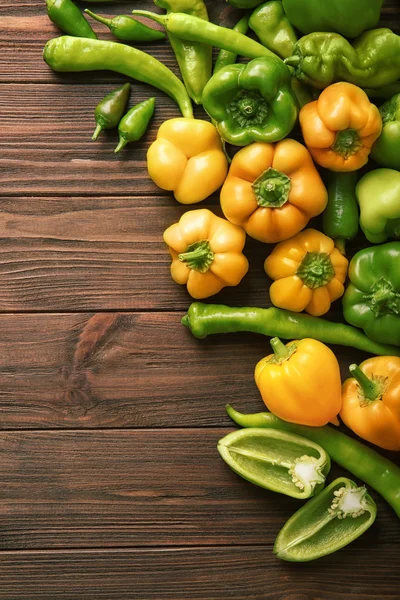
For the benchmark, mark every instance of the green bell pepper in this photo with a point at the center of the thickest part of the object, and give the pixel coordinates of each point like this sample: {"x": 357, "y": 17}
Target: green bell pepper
{"x": 347, "y": 17}
{"x": 328, "y": 522}
{"x": 372, "y": 299}
{"x": 386, "y": 150}
{"x": 273, "y": 28}
{"x": 378, "y": 194}
{"x": 253, "y": 102}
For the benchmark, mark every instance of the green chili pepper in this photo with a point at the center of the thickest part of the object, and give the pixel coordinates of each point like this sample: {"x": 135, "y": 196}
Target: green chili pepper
{"x": 69, "y": 54}
{"x": 321, "y": 59}
{"x": 337, "y": 516}
{"x": 378, "y": 194}
{"x": 110, "y": 109}
{"x": 372, "y": 298}
{"x": 252, "y": 102}
{"x": 194, "y": 29}
{"x": 206, "y": 319}
{"x": 278, "y": 461}
{"x": 195, "y": 58}
{"x": 134, "y": 124}
{"x": 225, "y": 57}
{"x": 363, "y": 462}
{"x": 127, "y": 29}
{"x": 340, "y": 218}
{"x": 386, "y": 150}
{"x": 273, "y": 28}
{"x": 67, "y": 16}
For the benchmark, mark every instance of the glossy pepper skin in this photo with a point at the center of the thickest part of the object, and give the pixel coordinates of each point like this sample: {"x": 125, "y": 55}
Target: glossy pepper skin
{"x": 371, "y": 401}
{"x": 187, "y": 158}
{"x": 206, "y": 253}
{"x": 372, "y": 298}
{"x": 127, "y": 29}
{"x": 308, "y": 273}
{"x": 386, "y": 149}
{"x": 67, "y": 16}
{"x": 225, "y": 57}
{"x": 110, "y": 109}
{"x": 273, "y": 190}
{"x": 340, "y": 218}
{"x": 347, "y": 17}
{"x": 337, "y": 516}
{"x": 274, "y": 30}
{"x": 134, "y": 124}
{"x": 373, "y": 61}
{"x": 378, "y": 195}
{"x": 340, "y": 127}
{"x": 194, "y": 58}
{"x": 251, "y": 103}
{"x": 300, "y": 382}
{"x": 67, "y": 54}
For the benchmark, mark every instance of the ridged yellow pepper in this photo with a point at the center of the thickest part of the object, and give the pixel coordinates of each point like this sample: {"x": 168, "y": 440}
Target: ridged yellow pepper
{"x": 308, "y": 273}
{"x": 206, "y": 253}
{"x": 187, "y": 158}
{"x": 273, "y": 190}
{"x": 371, "y": 401}
{"x": 300, "y": 382}
{"x": 340, "y": 127}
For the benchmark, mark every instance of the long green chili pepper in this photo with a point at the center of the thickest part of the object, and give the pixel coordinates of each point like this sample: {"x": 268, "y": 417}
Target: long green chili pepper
{"x": 226, "y": 58}
{"x": 363, "y": 462}
{"x": 127, "y": 29}
{"x": 110, "y": 109}
{"x": 194, "y": 29}
{"x": 67, "y": 16}
{"x": 195, "y": 58}
{"x": 134, "y": 124}
{"x": 340, "y": 218}
{"x": 206, "y": 319}
{"x": 70, "y": 54}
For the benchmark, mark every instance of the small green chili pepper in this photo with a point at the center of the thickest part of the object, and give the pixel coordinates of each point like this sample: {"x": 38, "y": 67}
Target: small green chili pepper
{"x": 67, "y": 16}
{"x": 69, "y": 54}
{"x": 128, "y": 29}
{"x": 225, "y": 57}
{"x": 271, "y": 25}
{"x": 337, "y": 516}
{"x": 206, "y": 319}
{"x": 194, "y": 29}
{"x": 340, "y": 218}
{"x": 134, "y": 124}
{"x": 278, "y": 461}
{"x": 110, "y": 109}
{"x": 363, "y": 462}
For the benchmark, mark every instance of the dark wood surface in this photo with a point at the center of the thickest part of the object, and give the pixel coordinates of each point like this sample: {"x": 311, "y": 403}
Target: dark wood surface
{"x": 110, "y": 483}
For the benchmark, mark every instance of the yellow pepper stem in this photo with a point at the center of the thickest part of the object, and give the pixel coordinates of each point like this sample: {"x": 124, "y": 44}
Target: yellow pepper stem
{"x": 272, "y": 189}
{"x": 371, "y": 390}
{"x": 316, "y": 270}
{"x": 281, "y": 352}
{"x": 347, "y": 143}
{"x": 198, "y": 256}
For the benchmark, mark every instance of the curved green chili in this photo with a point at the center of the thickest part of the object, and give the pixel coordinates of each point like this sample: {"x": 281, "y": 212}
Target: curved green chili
{"x": 226, "y": 58}
{"x": 67, "y": 16}
{"x": 70, "y": 54}
{"x": 194, "y": 29}
{"x": 363, "y": 462}
{"x": 134, "y": 124}
{"x": 206, "y": 319}
{"x": 340, "y": 218}
{"x": 128, "y": 29}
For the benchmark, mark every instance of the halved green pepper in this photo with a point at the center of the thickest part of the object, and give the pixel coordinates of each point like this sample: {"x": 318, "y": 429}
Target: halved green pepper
{"x": 253, "y": 102}
{"x": 378, "y": 195}
{"x": 337, "y": 516}
{"x": 282, "y": 462}
{"x": 386, "y": 150}
{"x": 372, "y": 299}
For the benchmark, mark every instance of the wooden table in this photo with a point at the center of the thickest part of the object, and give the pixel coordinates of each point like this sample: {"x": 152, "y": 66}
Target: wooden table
{"x": 111, "y": 486}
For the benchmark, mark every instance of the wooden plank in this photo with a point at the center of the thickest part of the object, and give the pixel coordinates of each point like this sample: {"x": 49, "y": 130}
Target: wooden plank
{"x": 245, "y": 573}
{"x": 126, "y": 370}
{"x": 140, "y": 488}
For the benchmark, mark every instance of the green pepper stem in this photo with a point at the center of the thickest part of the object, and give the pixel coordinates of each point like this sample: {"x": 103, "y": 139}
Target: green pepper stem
{"x": 98, "y": 18}
{"x": 160, "y": 19}
{"x": 121, "y": 144}
{"x": 97, "y": 132}
{"x": 280, "y": 350}
{"x": 371, "y": 390}
{"x": 292, "y": 61}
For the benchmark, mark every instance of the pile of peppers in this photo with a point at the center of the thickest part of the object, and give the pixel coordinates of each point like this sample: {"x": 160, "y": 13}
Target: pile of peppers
{"x": 290, "y": 131}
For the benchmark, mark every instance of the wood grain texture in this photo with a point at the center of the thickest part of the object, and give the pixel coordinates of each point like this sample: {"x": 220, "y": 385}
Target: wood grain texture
{"x": 243, "y": 573}
{"x": 140, "y": 488}
{"x": 126, "y": 370}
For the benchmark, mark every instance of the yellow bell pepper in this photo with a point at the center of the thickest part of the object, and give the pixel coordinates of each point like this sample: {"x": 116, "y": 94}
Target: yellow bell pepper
{"x": 206, "y": 253}
{"x": 300, "y": 382}
{"x": 308, "y": 273}
{"x": 187, "y": 158}
{"x": 273, "y": 190}
{"x": 371, "y": 401}
{"x": 340, "y": 127}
